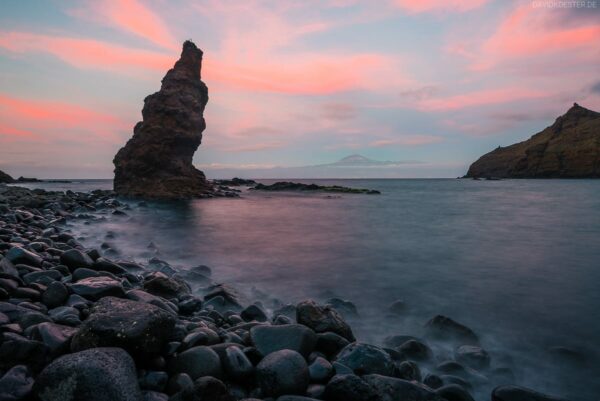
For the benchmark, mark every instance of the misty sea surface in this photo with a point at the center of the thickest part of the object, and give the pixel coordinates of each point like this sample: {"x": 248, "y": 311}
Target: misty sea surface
{"x": 518, "y": 261}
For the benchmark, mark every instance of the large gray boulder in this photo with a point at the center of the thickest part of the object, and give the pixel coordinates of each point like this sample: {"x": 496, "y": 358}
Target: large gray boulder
{"x": 268, "y": 339}
{"x": 138, "y": 327}
{"x": 98, "y": 374}
{"x": 282, "y": 372}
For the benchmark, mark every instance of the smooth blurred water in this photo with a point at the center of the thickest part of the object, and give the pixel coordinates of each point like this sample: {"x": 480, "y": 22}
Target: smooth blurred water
{"x": 518, "y": 261}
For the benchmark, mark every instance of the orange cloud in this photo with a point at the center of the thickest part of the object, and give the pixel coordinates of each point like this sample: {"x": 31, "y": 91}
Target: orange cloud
{"x": 129, "y": 16}
{"x": 422, "y": 6}
{"x": 480, "y": 98}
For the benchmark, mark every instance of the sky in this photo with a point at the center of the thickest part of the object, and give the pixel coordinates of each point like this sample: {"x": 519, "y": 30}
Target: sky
{"x": 429, "y": 84}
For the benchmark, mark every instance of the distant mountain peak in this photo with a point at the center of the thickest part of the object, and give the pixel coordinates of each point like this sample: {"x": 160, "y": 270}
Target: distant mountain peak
{"x": 355, "y": 158}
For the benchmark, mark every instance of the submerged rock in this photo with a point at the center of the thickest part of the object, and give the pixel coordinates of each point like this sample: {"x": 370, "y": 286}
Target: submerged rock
{"x": 444, "y": 328}
{"x": 514, "y": 393}
{"x": 322, "y": 319}
{"x": 157, "y": 161}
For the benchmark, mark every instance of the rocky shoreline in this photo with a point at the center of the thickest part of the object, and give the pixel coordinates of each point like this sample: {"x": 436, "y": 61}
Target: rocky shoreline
{"x": 76, "y": 325}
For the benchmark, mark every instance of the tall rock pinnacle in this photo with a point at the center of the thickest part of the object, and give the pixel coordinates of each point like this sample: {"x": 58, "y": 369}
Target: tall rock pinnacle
{"x": 157, "y": 161}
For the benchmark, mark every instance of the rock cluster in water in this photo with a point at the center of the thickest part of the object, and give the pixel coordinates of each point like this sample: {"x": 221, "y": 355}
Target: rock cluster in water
{"x": 569, "y": 148}
{"x": 76, "y": 325}
{"x": 297, "y": 186}
{"x": 157, "y": 161}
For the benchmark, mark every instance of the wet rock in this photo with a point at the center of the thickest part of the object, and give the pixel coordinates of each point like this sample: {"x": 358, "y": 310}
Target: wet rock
{"x": 16, "y": 349}
{"x": 16, "y": 384}
{"x": 138, "y": 327}
{"x": 55, "y": 336}
{"x": 211, "y": 388}
{"x": 268, "y": 339}
{"x": 397, "y": 340}
{"x": 98, "y": 374}
{"x": 180, "y": 382}
{"x": 415, "y": 350}
{"x": 237, "y": 365}
{"x": 106, "y": 265}
{"x": 442, "y": 327}
{"x": 330, "y": 343}
{"x": 454, "y": 392}
{"x": 154, "y": 381}
{"x": 254, "y": 312}
{"x": 433, "y": 381}
{"x": 200, "y": 336}
{"x": 161, "y": 285}
{"x": 392, "y": 389}
{"x": 95, "y": 288}
{"x": 154, "y": 396}
{"x": 453, "y": 368}
{"x": 65, "y": 315}
{"x": 295, "y": 398}
{"x": 472, "y": 356}
{"x": 282, "y": 372}
{"x": 83, "y": 273}
{"x": 408, "y": 370}
{"x": 345, "y": 307}
{"x": 197, "y": 362}
{"x": 514, "y": 393}
{"x": 56, "y": 294}
{"x": 45, "y": 277}
{"x": 143, "y": 296}
{"x": 18, "y": 255}
{"x": 322, "y": 319}
{"x": 74, "y": 259}
{"x": 320, "y": 370}
{"x": 366, "y": 359}
{"x": 349, "y": 387}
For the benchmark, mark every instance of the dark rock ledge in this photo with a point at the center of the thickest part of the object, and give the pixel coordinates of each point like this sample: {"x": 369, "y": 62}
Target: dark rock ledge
{"x": 77, "y": 326}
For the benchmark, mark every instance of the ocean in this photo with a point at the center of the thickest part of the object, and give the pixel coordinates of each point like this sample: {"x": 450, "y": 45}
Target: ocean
{"x": 518, "y": 261}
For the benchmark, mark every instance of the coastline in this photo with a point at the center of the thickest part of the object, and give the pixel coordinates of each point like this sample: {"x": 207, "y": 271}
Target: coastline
{"x": 317, "y": 359}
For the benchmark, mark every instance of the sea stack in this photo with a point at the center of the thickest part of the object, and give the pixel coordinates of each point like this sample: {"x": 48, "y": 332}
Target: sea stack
{"x": 157, "y": 161}
{"x": 569, "y": 148}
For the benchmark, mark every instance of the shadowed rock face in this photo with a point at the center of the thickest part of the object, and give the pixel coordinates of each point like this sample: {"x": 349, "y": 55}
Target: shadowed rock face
{"x": 157, "y": 161}
{"x": 569, "y": 148}
{"x": 5, "y": 178}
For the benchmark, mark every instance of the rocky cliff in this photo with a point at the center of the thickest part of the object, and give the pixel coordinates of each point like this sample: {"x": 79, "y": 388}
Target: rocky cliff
{"x": 5, "y": 178}
{"x": 569, "y": 148}
{"x": 157, "y": 161}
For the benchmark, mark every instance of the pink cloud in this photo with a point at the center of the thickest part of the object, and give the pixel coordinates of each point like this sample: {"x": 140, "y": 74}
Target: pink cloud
{"x": 529, "y": 32}
{"x": 87, "y": 53}
{"x": 480, "y": 98}
{"x": 422, "y": 6}
{"x": 307, "y": 74}
{"x": 51, "y": 120}
{"x": 299, "y": 74}
{"x": 129, "y": 16}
